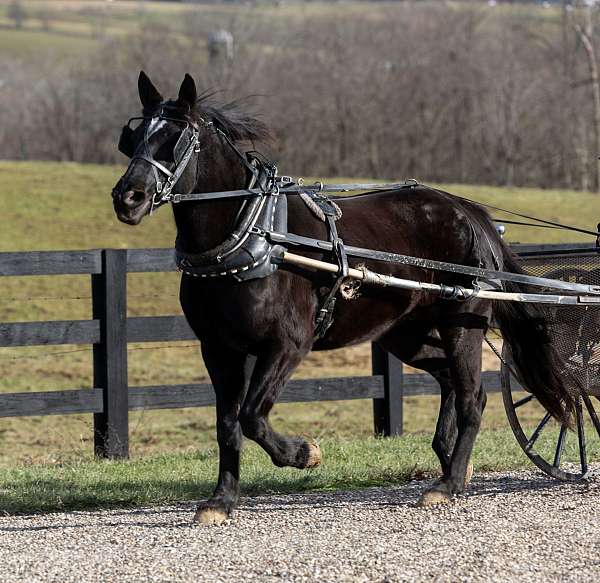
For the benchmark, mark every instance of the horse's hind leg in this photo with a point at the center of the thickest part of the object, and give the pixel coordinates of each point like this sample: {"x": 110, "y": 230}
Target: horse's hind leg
{"x": 462, "y": 337}
{"x": 230, "y": 373}
{"x": 446, "y": 430}
{"x": 419, "y": 345}
{"x": 274, "y": 367}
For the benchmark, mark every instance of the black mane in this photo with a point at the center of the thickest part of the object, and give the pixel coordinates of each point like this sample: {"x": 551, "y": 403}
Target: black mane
{"x": 229, "y": 117}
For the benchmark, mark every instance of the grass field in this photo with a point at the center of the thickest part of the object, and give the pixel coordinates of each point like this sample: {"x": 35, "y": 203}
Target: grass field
{"x": 166, "y": 478}
{"x": 67, "y": 206}
{"x": 74, "y": 28}
{"x": 349, "y": 463}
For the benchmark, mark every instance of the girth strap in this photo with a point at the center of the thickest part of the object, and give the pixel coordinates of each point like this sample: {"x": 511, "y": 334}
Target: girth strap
{"x": 324, "y": 317}
{"x": 328, "y": 211}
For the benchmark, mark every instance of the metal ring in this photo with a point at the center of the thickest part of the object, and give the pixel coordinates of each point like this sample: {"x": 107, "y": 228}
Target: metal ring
{"x": 320, "y": 184}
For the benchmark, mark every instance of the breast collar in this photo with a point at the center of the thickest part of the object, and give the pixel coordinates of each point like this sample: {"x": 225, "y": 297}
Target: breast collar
{"x": 246, "y": 253}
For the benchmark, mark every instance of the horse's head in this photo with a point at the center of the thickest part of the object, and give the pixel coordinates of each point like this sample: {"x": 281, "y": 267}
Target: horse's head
{"x": 161, "y": 144}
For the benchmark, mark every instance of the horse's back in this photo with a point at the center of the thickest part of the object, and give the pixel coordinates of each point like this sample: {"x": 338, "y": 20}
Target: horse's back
{"x": 418, "y": 221}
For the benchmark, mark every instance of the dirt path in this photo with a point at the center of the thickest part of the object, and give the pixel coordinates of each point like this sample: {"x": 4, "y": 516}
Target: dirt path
{"x": 511, "y": 527}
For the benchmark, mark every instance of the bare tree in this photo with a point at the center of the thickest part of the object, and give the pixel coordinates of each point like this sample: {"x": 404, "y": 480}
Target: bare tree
{"x": 585, "y": 31}
{"x": 16, "y": 12}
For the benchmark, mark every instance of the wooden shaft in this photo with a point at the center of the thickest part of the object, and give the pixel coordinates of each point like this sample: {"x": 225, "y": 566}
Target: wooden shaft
{"x": 320, "y": 265}
{"x": 369, "y": 277}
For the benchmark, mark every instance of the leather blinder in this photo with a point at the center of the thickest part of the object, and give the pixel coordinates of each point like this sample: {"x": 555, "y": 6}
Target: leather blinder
{"x": 126, "y": 142}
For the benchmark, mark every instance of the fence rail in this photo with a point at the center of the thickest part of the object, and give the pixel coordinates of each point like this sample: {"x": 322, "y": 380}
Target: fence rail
{"x": 109, "y": 331}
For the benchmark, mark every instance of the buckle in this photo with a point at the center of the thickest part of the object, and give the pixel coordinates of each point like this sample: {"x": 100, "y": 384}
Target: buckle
{"x": 258, "y": 231}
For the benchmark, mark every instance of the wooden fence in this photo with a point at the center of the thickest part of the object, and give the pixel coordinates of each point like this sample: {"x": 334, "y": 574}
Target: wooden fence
{"x": 110, "y": 330}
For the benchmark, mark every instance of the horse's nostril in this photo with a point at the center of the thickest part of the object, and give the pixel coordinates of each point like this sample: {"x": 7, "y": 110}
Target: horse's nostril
{"x": 134, "y": 197}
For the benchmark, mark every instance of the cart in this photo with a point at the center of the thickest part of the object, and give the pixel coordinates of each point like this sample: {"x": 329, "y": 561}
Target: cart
{"x": 558, "y": 452}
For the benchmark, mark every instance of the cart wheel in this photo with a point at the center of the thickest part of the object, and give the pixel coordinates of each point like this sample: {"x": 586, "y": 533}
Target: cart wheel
{"x": 547, "y": 442}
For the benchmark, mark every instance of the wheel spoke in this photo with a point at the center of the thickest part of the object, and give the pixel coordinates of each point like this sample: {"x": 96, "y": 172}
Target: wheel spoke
{"x": 560, "y": 445}
{"x": 581, "y": 437}
{"x": 522, "y": 401}
{"x": 538, "y": 431}
{"x": 591, "y": 411}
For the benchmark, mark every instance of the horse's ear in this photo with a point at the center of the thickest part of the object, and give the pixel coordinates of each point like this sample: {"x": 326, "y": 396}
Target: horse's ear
{"x": 149, "y": 95}
{"x": 187, "y": 92}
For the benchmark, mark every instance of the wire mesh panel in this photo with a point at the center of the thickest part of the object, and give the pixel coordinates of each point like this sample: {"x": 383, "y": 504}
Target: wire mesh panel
{"x": 574, "y": 330}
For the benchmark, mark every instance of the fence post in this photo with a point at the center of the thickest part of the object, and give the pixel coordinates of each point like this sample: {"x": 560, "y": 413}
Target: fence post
{"x": 109, "y": 305}
{"x": 387, "y": 412}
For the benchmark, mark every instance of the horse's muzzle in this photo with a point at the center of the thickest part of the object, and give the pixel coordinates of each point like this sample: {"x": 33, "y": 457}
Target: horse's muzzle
{"x": 131, "y": 205}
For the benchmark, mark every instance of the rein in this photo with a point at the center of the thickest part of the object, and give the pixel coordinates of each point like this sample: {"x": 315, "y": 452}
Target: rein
{"x": 285, "y": 185}
{"x": 277, "y": 184}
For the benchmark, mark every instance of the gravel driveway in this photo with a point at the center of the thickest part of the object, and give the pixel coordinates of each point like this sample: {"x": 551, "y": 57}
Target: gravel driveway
{"x": 511, "y": 527}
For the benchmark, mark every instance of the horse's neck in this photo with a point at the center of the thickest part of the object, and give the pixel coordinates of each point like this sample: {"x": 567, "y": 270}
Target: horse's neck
{"x": 205, "y": 224}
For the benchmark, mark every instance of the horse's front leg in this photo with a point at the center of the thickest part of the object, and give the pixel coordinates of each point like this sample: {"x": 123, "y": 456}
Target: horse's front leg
{"x": 274, "y": 366}
{"x": 462, "y": 342}
{"x": 230, "y": 372}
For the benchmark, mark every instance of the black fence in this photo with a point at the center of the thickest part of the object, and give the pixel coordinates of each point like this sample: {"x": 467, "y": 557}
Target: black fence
{"x": 110, "y": 330}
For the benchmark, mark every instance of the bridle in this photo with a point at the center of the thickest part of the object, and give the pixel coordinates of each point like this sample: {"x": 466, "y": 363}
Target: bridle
{"x": 188, "y": 144}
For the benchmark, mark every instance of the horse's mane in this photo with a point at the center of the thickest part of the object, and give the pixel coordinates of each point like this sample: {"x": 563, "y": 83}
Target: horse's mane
{"x": 230, "y": 118}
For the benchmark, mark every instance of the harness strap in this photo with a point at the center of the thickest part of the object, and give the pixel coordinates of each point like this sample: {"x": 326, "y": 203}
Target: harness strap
{"x": 154, "y": 162}
{"x": 249, "y": 165}
{"x": 329, "y": 212}
{"x": 289, "y": 188}
{"x": 246, "y": 220}
{"x": 324, "y": 317}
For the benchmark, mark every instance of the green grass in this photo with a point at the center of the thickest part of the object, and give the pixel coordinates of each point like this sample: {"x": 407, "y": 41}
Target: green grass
{"x": 27, "y": 44}
{"x": 348, "y": 464}
{"x": 50, "y": 205}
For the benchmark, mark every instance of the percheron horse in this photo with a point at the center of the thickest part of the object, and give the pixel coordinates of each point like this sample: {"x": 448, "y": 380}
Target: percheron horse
{"x": 254, "y": 333}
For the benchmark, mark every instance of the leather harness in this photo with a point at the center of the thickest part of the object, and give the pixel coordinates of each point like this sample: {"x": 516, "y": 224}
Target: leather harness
{"x": 254, "y": 248}
{"x": 247, "y": 253}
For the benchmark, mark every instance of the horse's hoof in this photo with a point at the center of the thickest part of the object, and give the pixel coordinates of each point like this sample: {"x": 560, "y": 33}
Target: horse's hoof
{"x": 433, "y": 498}
{"x": 210, "y": 515}
{"x": 313, "y": 459}
{"x": 469, "y": 474}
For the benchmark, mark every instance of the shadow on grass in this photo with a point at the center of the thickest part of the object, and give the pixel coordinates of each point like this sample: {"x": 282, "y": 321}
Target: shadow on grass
{"x": 57, "y": 495}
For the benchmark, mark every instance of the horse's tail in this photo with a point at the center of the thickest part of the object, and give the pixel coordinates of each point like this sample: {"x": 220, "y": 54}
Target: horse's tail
{"x": 525, "y": 328}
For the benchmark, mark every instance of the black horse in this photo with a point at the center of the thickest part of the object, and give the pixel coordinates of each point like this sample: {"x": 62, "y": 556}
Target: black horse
{"x": 254, "y": 333}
